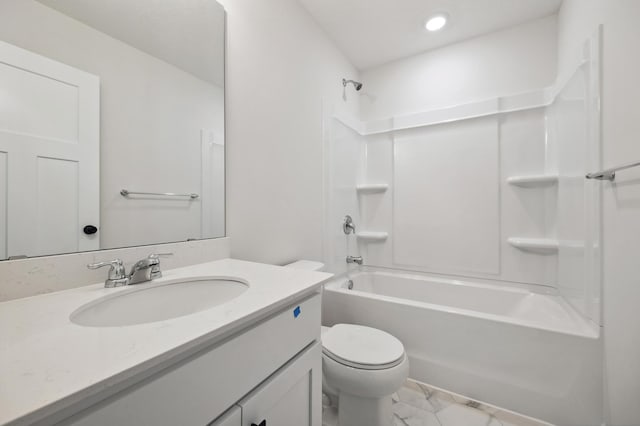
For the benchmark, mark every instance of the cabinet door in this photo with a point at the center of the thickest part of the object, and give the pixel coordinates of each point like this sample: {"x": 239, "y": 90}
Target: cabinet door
{"x": 291, "y": 397}
{"x": 232, "y": 417}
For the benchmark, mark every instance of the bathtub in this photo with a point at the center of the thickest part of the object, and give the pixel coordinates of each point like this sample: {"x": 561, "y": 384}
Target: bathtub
{"x": 506, "y": 345}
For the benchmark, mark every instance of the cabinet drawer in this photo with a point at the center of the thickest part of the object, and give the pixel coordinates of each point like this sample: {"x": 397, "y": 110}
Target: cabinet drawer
{"x": 202, "y": 387}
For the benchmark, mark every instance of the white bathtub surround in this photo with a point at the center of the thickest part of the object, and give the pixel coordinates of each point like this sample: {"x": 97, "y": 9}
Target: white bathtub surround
{"x": 343, "y": 162}
{"x": 459, "y": 228}
{"x": 50, "y": 365}
{"x": 485, "y": 189}
{"x": 40, "y": 275}
{"x": 417, "y": 404}
{"x": 504, "y": 344}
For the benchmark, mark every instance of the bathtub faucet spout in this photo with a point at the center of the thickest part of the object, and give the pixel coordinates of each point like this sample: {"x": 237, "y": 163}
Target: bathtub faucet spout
{"x": 354, "y": 259}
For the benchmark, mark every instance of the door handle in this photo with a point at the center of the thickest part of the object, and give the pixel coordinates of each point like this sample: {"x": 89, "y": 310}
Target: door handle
{"x": 90, "y": 229}
{"x": 262, "y": 423}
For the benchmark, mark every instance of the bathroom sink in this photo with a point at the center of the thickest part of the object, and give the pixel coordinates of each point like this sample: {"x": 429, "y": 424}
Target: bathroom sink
{"x": 153, "y": 302}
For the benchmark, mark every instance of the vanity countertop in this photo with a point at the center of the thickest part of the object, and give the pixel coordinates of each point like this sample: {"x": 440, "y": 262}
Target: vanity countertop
{"x": 48, "y": 363}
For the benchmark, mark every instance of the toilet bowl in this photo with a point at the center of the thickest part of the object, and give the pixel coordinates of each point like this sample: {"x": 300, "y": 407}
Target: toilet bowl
{"x": 361, "y": 368}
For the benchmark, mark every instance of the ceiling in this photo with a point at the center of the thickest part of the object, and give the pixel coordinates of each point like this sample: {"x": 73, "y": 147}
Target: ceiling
{"x": 373, "y": 32}
{"x": 187, "y": 33}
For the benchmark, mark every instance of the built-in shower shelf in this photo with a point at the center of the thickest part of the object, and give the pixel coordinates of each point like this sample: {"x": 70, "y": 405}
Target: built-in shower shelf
{"x": 372, "y": 188}
{"x": 372, "y": 237}
{"x": 538, "y": 245}
{"x": 533, "y": 180}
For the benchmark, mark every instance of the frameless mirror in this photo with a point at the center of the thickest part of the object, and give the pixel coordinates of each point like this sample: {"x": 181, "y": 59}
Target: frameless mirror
{"x": 111, "y": 124}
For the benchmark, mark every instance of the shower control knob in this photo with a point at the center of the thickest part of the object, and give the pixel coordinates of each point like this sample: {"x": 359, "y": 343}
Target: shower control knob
{"x": 348, "y": 226}
{"x": 90, "y": 229}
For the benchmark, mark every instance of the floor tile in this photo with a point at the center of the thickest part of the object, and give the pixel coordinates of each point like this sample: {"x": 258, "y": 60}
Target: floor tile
{"x": 437, "y": 399}
{"x": 417, "y": 404}
{"x": 407, "y": 415}
{"x": 415, "y": 398}
{"x": 461, "y": 415}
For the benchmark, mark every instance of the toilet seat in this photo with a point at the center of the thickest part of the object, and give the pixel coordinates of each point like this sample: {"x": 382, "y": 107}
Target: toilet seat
{"x": 362, "y": 347}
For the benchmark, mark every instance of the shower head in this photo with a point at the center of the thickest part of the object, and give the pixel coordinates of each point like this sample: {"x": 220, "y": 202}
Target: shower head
{"x": 356, "y": 84}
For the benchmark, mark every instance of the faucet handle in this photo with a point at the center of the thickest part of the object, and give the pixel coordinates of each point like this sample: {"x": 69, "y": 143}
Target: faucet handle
{"x": 116, "y": 265}
{"x": 155, "y": 268}
{"x": 117, "y": 274}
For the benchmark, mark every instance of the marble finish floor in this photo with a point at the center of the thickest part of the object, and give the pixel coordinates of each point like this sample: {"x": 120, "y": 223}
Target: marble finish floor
{"x": 417, "y": 404}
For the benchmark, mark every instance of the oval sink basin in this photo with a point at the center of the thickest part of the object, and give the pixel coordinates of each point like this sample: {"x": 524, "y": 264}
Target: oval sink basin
{"x": 151, "y": 302}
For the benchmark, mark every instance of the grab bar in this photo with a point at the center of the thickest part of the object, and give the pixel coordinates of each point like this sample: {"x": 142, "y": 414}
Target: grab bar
{"x": 610, "y": 174}
{"x": 127, "y": 193}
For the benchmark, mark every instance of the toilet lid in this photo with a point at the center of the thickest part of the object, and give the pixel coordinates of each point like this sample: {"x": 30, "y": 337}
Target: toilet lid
{"x": 362, "y": 347}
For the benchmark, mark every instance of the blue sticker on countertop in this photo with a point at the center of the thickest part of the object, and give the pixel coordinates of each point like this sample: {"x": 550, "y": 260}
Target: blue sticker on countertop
{"x": 296, "y": 312}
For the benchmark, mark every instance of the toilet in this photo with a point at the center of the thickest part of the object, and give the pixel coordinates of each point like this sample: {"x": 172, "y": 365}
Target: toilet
{"x": 361, "y": 368}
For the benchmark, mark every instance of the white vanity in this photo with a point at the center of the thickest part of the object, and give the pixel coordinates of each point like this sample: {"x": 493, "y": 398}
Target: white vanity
{"x": 254, "y": 359}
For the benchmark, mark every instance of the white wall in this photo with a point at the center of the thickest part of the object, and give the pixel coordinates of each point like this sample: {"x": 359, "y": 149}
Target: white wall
{"x": 501, "y": 63}
{"x": 152, "y": 114}
{"x": 577, "y": 20}
{"x": 280, "y": 66}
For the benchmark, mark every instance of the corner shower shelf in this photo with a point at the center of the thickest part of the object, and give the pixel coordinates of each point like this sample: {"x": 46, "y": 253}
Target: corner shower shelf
{"x": 533, "y": 180}
{"x": 372, "y": 188}
{"x": 539, "y": 245}
{"x": 372, "y": 237}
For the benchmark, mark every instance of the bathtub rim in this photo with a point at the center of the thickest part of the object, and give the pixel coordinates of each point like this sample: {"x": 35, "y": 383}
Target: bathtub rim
{"x": 583, "y": 327}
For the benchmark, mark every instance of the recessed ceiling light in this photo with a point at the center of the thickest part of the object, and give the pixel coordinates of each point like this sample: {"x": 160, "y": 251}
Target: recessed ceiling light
{"x": 436, "y": 22}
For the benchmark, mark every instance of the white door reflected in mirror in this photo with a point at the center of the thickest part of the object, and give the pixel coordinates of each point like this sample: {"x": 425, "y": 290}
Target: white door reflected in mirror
{"x": 49, "y": 154}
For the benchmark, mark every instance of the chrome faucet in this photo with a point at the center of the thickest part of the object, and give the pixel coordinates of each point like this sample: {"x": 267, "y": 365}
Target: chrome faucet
{"x": 117, "y": 274}
{"x": 354, "y": 259}
{"x": 348, "y": 226}
{"x": 146, "y": 269}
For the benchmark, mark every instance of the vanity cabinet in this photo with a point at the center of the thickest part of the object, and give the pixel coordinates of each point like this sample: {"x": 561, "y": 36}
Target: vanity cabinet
{"x": 269, "y": 372}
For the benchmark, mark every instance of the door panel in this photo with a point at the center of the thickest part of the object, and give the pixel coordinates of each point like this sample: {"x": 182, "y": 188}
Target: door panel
{"x": 37, "y": 105}
{"x": 57, "y": 209}
{"x": 49, "y": 137}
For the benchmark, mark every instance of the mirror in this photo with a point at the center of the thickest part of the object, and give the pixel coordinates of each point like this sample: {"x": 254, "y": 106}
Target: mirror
{"x": 111, "y": 124}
